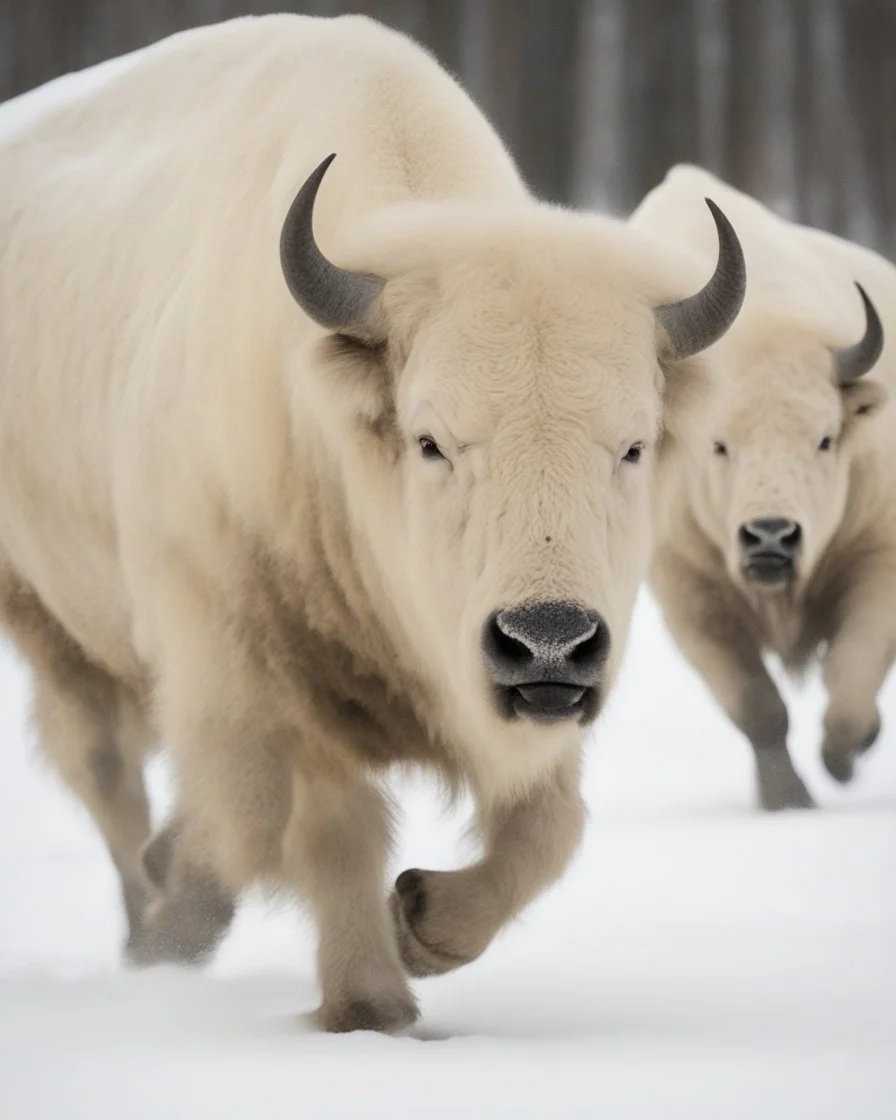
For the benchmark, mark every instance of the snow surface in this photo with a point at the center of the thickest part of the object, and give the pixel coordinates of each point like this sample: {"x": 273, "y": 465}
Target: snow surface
{"x": 699, "y": 960}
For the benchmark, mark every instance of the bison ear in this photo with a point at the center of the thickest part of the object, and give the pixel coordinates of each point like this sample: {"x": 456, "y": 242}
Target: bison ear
{"x": 862, "y": 398}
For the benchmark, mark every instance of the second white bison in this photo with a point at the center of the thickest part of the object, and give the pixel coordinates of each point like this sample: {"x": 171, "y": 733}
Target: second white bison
{"x": 777, "y": 530}
{"x": 404, "y": 521}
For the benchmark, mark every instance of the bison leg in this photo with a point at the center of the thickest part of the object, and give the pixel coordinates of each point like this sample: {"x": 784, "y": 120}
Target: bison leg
{"x": 718, "y": 644}
{"x": 445, "y": 919}
{"x": 231, "y": 749}
{"x": 762, "y": 716}
{"x": 108, "y": 778}
{"x": 854, "y": 668}
{"x": 338, "y": 845}
{"x": 192, "y": 909}
{"x": 92, "y": 729}
{"x": 234, "y": 803}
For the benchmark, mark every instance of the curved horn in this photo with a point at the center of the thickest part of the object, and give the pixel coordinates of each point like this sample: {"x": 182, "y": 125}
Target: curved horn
{"x": 853, "y": 362}
{"x": 694, "y": 323}
{"x": 334, "y": 297}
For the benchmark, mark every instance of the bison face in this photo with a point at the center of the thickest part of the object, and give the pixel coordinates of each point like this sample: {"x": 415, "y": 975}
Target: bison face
{"x": 527, "y": 452}
{"x": 774, "y": 481}
{"x": 493, "y": 394}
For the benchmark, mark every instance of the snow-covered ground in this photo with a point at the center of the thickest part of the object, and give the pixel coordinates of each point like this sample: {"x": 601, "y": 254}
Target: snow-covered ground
{"x": 700, "y": 959}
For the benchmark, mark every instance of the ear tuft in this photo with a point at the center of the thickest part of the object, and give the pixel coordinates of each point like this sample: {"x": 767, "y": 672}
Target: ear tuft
{"x": 863, "y": 398}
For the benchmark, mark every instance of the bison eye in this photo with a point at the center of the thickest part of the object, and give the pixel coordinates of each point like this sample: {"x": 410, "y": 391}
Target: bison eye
{"x": 633, "y": 454}
{"x": 825, "y": 444}
{"x": 429, "y": 448}
{"x": 720, "y": 448}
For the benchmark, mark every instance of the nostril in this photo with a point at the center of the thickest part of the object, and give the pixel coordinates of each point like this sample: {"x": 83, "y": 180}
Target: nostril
{"x": 791, "y": 540}
{"x": 770, "y": 534}
{"x": 747, "y": 538}
{"x": 551, "y": 642}
{"x": 503, "y": 648}
{"x": 592, "y": 651}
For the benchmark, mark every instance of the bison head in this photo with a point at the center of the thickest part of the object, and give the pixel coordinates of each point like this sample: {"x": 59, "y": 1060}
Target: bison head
{"x": 492, "y": 384}
{"x": 776, "y": 465}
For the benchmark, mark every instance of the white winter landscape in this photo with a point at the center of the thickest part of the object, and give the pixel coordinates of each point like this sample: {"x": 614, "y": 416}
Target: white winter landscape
{"x": 699, "y": 960}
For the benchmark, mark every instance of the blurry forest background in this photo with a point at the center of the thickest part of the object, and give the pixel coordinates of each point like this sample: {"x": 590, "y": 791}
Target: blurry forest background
{"x": 792, "y": 100}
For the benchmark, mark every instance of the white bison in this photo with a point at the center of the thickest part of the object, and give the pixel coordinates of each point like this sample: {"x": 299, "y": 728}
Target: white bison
{"x": 777, "y": 531}
{"x": 404, "y": 521}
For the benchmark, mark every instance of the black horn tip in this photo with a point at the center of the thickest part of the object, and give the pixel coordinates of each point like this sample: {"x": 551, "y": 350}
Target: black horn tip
{"x": 314, "y": 180}
{"x": 730, "y": 248}
{"x": 874, "y": 327}
{"x": 854, "y": 362}
{"x": 323, "y": 167}
{"x": 333, "y": 297}
{"x": 697, "y": 322}
{"x": 299, "y": 214}
{"x": 715, "y": 210}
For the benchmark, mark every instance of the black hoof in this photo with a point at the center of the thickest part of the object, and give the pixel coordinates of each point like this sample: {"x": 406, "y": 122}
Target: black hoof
{"x": 839, "y": 764}
{"x": 780, "y": 787}
{"x": 412, "y": 892}
{"x": 387, "y": 1016}
{"x": 870, "y": 739}
{"x": 798, "y": 797}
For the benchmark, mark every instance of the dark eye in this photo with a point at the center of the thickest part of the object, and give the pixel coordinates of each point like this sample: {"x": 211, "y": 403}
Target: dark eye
{"x": 719, "y": 448}
{"x": 430, "y": 448}
{"x": 633, "y": 454}
{"x": 825, "y": 444}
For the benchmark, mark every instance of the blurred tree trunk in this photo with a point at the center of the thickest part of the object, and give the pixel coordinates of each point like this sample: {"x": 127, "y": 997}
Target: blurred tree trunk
{"x": 548, "y": 94}
{"x": 661, "y": 91}
{"x": 870, "y": 74}
{"x": 792, "y": 100}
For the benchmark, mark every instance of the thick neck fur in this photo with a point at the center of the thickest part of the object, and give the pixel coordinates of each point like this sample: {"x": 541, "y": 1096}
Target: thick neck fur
{"x": 324, "y": 610}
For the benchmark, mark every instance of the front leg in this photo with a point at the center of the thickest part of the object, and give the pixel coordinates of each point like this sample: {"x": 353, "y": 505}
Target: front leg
{"x": 234, "y": 800}
{"x": 445, "y": 919}
{"x": 192, "y": 909}
{"x": 231, "y": 745}
{"x": 858, "y": 659}
{"x": 336, "y": 848}
{"x": 716, "y": 639}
